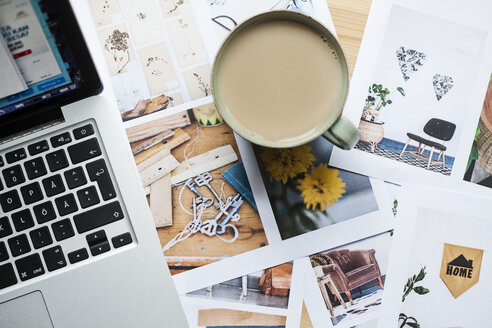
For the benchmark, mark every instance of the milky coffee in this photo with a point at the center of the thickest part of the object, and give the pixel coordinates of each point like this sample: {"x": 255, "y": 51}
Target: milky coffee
{"x": 280, "y": 80}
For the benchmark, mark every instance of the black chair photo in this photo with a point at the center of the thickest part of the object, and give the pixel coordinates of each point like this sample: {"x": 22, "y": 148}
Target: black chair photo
{"x": 435, "y": 128}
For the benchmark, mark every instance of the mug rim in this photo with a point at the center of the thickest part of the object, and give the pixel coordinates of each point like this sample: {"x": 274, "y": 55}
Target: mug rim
{"x": 234, "y": 124}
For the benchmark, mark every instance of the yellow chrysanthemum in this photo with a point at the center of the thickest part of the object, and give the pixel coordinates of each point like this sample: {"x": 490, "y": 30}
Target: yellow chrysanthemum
{"x": 286, "y": 163}
{"x": 321, "y": 187}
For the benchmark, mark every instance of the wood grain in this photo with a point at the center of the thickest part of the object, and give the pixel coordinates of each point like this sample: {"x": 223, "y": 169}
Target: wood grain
{"x": 232, "y": 318}
{"x": 158, "y": 170}
{"x": 153, "y": 128}
{"x": 140, "y": 146}
{"x": 349, "y": 17}
{"x": 177, "y": 139}
{"x": 160, "y": 200}
{"x": 251, "y": 233}
{"x": 202, "y": 163}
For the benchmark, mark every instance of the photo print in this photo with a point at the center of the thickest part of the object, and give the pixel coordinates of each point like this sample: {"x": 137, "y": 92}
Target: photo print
{"x": 345, "y": 284}
{"x": 202, "y": 316}
{"x": 416, "y": 120}
{"x": 271, "y": 297}
{"x": 198, "y": 191}
{"x": 269, "y": 287}
{"x": 105, "y": 12}
{"x": 157, "y": 53}
{"x": 172, "y": 8}
{"x": 479, "y": 166}
{"x": 225, "y": 15}
{"x": 411, "y": 94}
{"x": 306, "y": 194}
{"x": 448, "y": 269}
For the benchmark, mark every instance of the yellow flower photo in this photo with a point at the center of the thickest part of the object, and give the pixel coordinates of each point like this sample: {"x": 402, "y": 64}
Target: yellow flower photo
{"x": 321, "y": 187}
{"x": 287, "y": 163}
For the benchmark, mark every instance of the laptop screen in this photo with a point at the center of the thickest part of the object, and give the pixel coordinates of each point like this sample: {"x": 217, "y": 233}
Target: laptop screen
{"x": 37, "y": 55}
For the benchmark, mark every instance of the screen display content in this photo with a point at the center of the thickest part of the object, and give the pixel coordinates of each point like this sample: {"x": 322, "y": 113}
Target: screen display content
{"x": 42, "y": 62}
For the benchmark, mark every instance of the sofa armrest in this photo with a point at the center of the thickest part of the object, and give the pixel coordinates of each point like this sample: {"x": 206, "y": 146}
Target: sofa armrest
{"x": 337, "y": 275}
{"x": 365, "y": 257}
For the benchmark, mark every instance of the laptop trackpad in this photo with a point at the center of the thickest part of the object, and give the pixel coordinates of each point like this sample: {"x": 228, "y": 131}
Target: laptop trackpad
{"x": 25, "y": 312}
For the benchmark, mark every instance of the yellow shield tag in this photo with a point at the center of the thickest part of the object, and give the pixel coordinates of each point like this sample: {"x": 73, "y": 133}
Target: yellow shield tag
{"x": 460, "y": 268}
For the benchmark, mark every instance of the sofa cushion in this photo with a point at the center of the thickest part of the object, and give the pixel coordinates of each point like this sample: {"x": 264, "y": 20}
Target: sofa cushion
{"x": 343, "y": 259}
{"x": 361, "y": 272}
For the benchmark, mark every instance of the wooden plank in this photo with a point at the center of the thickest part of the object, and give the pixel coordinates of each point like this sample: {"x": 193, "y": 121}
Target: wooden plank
{"x": 205, "y": 162}
{"x": 158, "y": 170}
{"x": 152, "y": 160}
{"x": 177, "y": 139}
{"x": 161, "y": 199}
{"x": 231, "y": 318}
{"x": 140, "y": 146}
{"x": 190, "y": 261}
{"x": 251, "y": 233}
{"x": 152, "y": 128}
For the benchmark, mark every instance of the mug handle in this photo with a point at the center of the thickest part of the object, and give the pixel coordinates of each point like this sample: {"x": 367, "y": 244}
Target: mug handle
{"x": 342, "y": 134}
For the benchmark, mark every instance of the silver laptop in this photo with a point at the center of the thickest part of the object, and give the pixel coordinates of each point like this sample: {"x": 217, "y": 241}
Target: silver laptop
{"x": 78, "y": 247}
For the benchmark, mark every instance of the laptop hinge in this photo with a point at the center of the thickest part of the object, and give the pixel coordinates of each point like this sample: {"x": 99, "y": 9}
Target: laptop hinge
{"x": 33, "y": 121}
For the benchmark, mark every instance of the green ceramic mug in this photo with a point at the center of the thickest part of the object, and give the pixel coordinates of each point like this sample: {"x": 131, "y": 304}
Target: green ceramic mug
{"x": 337, "y": 129}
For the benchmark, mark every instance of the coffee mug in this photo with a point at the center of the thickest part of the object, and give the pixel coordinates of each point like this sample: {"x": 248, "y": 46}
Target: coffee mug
{"x": 280, "y": 79}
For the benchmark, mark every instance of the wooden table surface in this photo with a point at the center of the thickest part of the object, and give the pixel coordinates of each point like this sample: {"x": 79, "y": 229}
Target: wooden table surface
{"x": 350, "y": 18}
{"x": 251, "y": 233}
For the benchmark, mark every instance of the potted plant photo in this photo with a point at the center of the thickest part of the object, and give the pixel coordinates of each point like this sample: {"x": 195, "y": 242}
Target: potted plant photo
{"x": 370, "y": 127}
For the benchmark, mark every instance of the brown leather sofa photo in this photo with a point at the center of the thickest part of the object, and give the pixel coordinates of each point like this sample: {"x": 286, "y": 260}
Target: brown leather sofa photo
{"x": 344, "y": 270}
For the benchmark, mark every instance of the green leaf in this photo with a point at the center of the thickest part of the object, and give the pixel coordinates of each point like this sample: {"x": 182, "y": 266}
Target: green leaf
{"x": 477, "y": 132}
{"x": 421, "y": 274}
{"x": 401, "y": 91}
{"x": 421, "y": 290}
{"x": 389, "y": 101}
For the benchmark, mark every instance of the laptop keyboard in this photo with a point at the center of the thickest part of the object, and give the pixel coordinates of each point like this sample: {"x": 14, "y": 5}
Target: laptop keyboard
{"x": 58, "y": 205}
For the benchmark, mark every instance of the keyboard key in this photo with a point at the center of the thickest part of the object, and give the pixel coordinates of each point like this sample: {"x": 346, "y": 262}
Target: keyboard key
{"x": 53, "y": 185}
{"x": 1, "y": 185}
{"x": 98, "y": 217}
{"x": 62, "y": 229}
{"x": 41, "y": 237}
{"x": 7, "y": 276}
{"x": 38, "y": 147}
{"x": 54, "y": 258}
{"x": 5, "y": 228}
{"x": 10, "y": 201}
{"x": 83, "y": 131}
{"x": 29, "y": 267}
{"x": 31, "y": 193}
{"x": 1, "y": 162}
{"x": 75, "y": 177}
{"x": 122, "y": 240}
{"x": 88, "y": 197}
{"x": 4, "y": 255}
{"x": 66, "y": 204}
{"x": 98, "y": 172}
{"x": 97, "y": 237}
{"x": 44, "y": 212}
{"x": 57, "y": 160}
{"x": 19, "y": 245}
{"x": 60, "y": 140}
{"x": 13, "y": 176}
{"x": 78, "y": 255}
{"x": 84, "y": 151}
{"x": 22, "y": 220}
{"x": 35, "y": 168}
{"x": 15, "y": 155}
{"x": 98, "y": 242}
